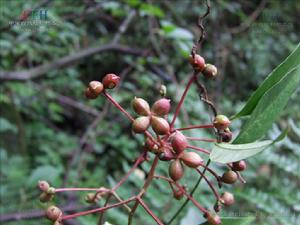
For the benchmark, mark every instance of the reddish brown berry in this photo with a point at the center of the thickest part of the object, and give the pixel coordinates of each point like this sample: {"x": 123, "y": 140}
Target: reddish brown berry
{"x": 226, "y": 135}
{"x": 178, "y": 194}
{"x": 110, "y": 81}
{"x": 197, "y": 62}
{"x": 227, "y": 198}
{"x": 229, "y": 177}
{"x": 160, "y": 125}
{"x": 166, "y": 154}
{"x": 191, "y": 159}
{"x": 221, "y": 122}
{"x": 213, "y": 219}
{"x": 89, "y": 94}
{"x": 96, "y": 87}
{"x": 141, "y": 106}
{"x": 209, "y": 71}
{"x": 141, "y": 124}
{"x": 179, "y": 142}
{"x": 161, "y": 107}
{"x": 239, "y": 166}
{"x": 53, "y": 213}
{"x": 176, "y": 170}
{"x": 218, "y": 206}
{"x": 43, "y": 185}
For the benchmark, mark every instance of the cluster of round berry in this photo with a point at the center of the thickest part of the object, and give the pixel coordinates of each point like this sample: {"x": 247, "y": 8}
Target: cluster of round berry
{"x": 168, "y": 144}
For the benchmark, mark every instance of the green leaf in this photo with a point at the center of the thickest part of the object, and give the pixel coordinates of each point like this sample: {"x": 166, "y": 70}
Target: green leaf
{"x": 49, "y": 173}
{"x": 275, "y": 76}
{"x": 269, "y": 107}
{"x": 235, "y": 221}
{"x": 227, "y": 153}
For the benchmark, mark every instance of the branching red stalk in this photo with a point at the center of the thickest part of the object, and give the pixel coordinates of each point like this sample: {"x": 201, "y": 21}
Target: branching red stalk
{"x": 81, "y": 189}
{"x": 191, "y": 80}
{"x": 195, "y": 127}
{"x": 149, "y": 211}
{"x": 200, "y": 207}
{"x": 67, "y": 217}
{"x": 201, "y": 139}
{"x": 139, "y": 160}
{"x": 199, "y": 149}
{"x": 210, "y": 184}
{"x": 211, "y": 171}
{"x": 117, "y": 105}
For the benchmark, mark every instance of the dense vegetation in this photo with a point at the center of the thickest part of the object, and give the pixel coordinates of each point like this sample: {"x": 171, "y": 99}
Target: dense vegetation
{"x": 48, "y": 127}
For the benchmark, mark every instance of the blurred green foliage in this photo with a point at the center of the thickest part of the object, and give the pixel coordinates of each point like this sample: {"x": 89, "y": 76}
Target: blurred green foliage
{"x": 40, "y": 134}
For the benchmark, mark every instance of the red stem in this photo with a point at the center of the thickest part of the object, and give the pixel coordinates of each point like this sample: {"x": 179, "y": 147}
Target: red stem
{"x": 209, "y": 183}
{"x": 201, "y": 139}
{"x": 185, "y": 193}
{"x": 157, "y": 220}
{"x": 211, "y": 171}
{"x": 117, "y": 105}
{"x": 195, "y": 127}
{"x": 198, "y": 149}
{"x": 140, "y": 159}
{"x": 191, "y": 80}
{"x": 99, "y": 209}
{"x": 80, "y": 189}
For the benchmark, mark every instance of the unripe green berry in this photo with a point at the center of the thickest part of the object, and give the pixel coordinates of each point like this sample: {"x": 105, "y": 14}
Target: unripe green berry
{"x": 163, "y": 90}
{"x": 51, "y": 190}
{"x": 191, "y": 159}
{"x": 53, "y": 213}
{"x": 141, "y": 106}
{"x": 179, "y": 142}
{"x": 161, "y": 107}
{"x": 160, "y": 125}
{"x": 141, "y": 124}
{"x": 229, "y": 177}
{"x": 110, "y": 81}
{"x": 221, "y": 122}
{"x": 209, "y": 71}
{"x": 176, "y": 170}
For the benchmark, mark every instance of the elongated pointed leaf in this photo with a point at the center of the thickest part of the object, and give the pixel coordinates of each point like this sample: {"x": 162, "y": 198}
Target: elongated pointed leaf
{"x": 227, "y": 153}
{"x": 269, "y": 108}
{"x": 235, "y": 221}
{"x": 292, "y": 61}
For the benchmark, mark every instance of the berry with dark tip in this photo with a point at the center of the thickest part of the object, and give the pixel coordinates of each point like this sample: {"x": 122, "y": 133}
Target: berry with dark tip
{"x": 239, "y": 166}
